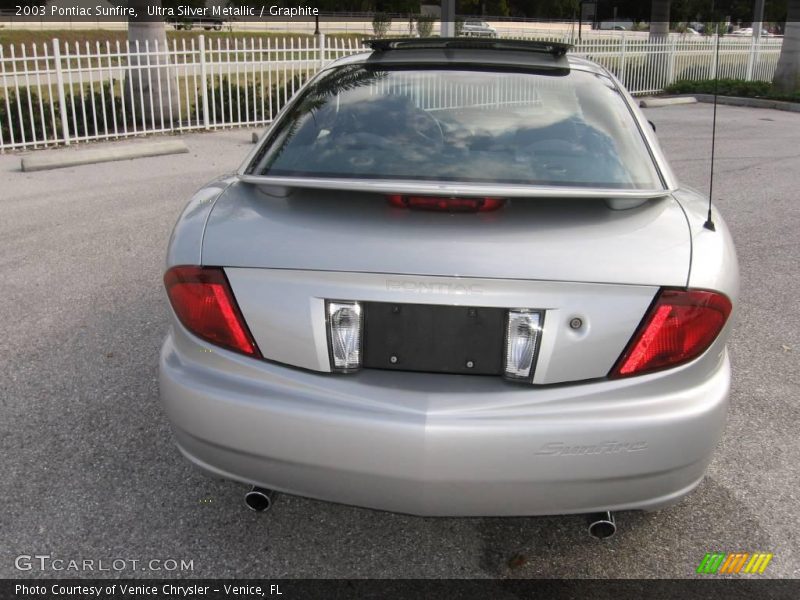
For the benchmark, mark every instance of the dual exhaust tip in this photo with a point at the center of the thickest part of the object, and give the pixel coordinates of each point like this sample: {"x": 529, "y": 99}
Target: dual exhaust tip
{"x": 601, "y": 525}
{"x": 260, "y": 499}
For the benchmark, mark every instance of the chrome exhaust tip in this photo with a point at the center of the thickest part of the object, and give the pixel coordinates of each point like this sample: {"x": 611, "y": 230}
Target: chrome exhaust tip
{"x": 260, "y": 499}
{"x": 602, "y": 525}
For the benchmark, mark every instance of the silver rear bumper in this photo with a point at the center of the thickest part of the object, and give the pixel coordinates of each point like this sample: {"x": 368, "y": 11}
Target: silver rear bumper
{"x": 446, "y": 445}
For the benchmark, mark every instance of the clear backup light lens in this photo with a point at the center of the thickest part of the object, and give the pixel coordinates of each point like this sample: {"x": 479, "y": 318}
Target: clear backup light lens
{"x": 522, "y": 341}
{"x": 344, "y": 335}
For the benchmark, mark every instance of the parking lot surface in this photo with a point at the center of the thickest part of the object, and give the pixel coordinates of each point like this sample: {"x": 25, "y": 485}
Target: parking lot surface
{"x": 88, "y": 462}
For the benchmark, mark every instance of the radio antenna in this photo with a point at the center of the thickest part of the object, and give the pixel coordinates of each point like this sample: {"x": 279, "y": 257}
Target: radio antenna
{"x": 709, "y": 224}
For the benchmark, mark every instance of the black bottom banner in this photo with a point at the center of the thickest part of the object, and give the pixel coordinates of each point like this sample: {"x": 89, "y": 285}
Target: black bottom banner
{"x": 333, "y": 589}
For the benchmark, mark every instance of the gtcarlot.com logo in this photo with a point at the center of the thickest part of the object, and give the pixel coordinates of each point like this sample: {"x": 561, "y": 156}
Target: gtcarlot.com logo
{"x": 46, "y": 562}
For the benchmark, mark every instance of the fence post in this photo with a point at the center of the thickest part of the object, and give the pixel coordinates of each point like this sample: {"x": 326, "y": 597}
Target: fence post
{"x": 622, "y": 46}
{"x": 321, "y": 49}
{"x": 751, "y": 59}
{"x": 671, "y": 62}
{"x": 201, "y": 39}
{"x": 62, "y": 100}
{"x": 714, "y": 57}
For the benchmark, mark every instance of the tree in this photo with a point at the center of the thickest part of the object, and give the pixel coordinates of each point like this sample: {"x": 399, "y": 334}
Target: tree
{"x": 659, "y": 33}
{"x": 787, "y": 74}
{"x": 381, "y": 23}
{"x": 493, "y": 8}
{"x": 425, "y": 25}
{"x": 143, "y": 82}
{"x": 659, "y": 20}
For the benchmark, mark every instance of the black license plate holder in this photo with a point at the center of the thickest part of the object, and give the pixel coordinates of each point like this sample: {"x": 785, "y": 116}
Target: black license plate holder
{"x": 433, "y": 338}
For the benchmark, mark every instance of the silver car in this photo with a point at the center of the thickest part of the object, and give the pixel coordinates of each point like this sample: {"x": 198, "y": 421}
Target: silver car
{"x": 477, "y": 28}
{"x": 455, "y": 277}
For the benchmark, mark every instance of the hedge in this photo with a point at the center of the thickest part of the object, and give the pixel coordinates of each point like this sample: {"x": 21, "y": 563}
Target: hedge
{"x": 730, "y": 87}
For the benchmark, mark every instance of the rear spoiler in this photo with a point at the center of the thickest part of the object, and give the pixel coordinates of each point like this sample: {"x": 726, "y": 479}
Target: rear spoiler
{"x": 555, "y": 49}
{"x": 616, "y": 198}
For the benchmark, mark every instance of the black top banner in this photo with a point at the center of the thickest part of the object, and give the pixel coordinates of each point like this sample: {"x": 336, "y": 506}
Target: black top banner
{"x": 595, "y": 11}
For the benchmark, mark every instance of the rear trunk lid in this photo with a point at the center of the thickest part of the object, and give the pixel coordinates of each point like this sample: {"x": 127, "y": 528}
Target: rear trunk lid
{"x": 286, "y": 253}
{"x": 569, "y": 240}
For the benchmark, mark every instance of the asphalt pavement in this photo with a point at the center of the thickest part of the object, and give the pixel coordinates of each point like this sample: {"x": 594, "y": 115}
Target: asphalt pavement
{"x": 90, "y": 472}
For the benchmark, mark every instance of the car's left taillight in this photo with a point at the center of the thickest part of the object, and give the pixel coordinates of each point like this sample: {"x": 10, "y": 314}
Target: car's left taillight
{"x": 203, "y": 301}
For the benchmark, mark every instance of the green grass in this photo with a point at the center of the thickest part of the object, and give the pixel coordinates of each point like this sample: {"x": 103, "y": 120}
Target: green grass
{"x": 731, "y": 87}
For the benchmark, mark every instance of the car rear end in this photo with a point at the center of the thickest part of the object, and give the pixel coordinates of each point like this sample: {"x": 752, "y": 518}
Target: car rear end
{"x": 425, "y": 321}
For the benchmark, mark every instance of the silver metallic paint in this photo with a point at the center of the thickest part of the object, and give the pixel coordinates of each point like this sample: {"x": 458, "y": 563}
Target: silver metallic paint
{"x": 447, "y": 444}
{"x": 186, "y": 242}
{"x": 444, "y": 445}
{"x": 284, "y": 310}
{"x": 714, "y": 262}
{"x": 404, "y": 186}
{"x": 541, "y": 239}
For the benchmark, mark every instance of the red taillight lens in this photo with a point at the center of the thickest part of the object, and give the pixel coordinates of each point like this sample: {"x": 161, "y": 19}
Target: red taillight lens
{"x": 204, "y": 303}
{"x": 680, "y": 326}
{"x": 444, "y": 204}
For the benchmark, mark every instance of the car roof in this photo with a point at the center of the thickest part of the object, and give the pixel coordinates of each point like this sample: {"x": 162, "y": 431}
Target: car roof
{"x": 469, "y": 51}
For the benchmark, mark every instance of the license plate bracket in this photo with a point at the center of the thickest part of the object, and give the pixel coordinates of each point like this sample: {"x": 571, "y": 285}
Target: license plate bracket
{"x": 433, "y": 338}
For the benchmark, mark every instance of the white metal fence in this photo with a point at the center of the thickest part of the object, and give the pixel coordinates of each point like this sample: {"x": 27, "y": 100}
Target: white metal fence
{"x": 646, "y": 67}
{"x": 58, "y": 93}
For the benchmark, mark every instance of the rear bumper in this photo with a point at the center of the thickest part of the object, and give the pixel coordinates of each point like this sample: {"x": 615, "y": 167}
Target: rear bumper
{"x": 446, "y": 444}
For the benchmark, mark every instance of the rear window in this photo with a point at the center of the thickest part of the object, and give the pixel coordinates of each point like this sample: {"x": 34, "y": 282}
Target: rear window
{"x": 464, "y": 125}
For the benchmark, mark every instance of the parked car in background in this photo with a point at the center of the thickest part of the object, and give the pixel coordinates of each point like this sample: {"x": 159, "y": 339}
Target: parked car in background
{"x": 615, "y": 25}
{"x": 477, "y": 28}
{"x": 455, "y": 277}
{"x": 748, "y": 32}
{"x": 697, "y": 26}
{"x": 189, "y": 23}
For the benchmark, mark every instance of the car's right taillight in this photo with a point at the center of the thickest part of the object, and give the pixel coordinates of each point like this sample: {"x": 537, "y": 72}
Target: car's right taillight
{"x": 204, "y": 303}
{"x": 680, "y": 326}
